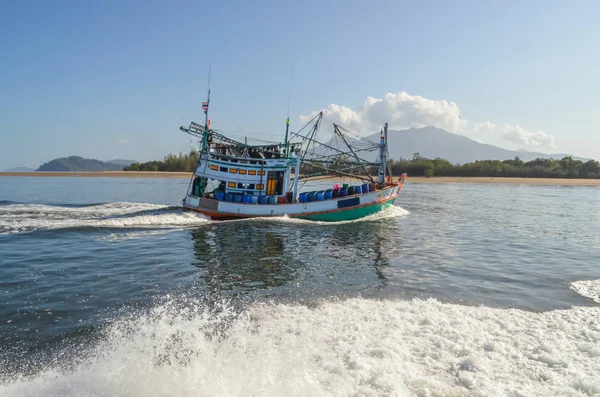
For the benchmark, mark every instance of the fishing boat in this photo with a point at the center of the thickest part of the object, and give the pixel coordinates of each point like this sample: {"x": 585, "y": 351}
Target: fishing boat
{"x": 235, "y": 180}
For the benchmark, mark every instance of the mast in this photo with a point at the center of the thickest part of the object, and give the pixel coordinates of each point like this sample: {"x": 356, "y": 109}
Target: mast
{"x": 204, "y": 150}
{"x": 382, "y": 157}
{"x": 205, "y": 108}
{"x": 296, "y": 175}
{"x": 387, "y": 155}
{"x": 286, "y": 145}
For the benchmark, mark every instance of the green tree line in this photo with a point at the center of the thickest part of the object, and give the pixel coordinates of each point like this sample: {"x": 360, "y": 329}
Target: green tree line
{"x": 567, "y": 167}
{"x": 171, "y": 163}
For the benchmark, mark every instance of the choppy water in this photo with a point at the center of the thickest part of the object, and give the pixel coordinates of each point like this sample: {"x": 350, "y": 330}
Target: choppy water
{"x": 109, "y": 289}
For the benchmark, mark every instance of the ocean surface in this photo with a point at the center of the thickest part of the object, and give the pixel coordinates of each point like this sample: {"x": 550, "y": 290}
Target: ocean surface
{"x": 108, "y": 288}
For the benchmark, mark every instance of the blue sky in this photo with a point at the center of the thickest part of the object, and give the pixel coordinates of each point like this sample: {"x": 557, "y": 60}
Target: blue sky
{"x": 116, "y": 79}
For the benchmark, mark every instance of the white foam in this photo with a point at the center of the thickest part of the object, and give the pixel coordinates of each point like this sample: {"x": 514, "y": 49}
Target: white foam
{"x": 387, "y": 213}
{"x": 26, "y": 217}
{"x": 340, "y": 348}
{"x": 134, "y": 235}
{"x": 588, "y": 288}
{"x": 16, "y": 218}
{"x": 116, "y": 208}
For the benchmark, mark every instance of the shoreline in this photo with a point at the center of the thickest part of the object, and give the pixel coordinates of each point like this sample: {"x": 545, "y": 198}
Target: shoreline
{"x": 100, "y": 174}
{"x": 414, "y": 179}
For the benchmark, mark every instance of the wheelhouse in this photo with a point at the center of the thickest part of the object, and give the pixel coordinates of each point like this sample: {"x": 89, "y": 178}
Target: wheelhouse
{"x": 229, "y": 174}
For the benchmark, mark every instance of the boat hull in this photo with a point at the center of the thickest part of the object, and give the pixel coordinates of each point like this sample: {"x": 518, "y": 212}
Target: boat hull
{"x": 332, "y": 210}
{"x": 349, "y": 214}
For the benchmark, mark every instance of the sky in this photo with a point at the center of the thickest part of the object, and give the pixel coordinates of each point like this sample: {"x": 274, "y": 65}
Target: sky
{"x": 116, "y": 79}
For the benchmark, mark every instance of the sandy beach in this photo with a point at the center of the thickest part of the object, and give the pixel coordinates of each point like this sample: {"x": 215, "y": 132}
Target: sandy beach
{"x": 439, "y": 179}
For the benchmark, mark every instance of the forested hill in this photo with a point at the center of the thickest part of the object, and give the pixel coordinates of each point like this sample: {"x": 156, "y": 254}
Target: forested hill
{"x": 75, "y": 163}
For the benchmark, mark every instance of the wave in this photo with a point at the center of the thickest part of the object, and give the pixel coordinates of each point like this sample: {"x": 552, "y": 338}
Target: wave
{"x": 340, "y": 347}
{"x": 588, "y": 288}
{"x": 15, "y": 218}
{"x": 19, "y": 217}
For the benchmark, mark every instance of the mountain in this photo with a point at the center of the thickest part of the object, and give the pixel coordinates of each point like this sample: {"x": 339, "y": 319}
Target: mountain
{"x": 122, "y": 162}
{"x": 19, "y": 169}
{"x": 75, "y": 163}
{"x": 434, "y": 142}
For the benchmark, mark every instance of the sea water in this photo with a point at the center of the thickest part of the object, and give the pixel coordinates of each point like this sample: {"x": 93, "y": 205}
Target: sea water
{"x": 108, "y": 288}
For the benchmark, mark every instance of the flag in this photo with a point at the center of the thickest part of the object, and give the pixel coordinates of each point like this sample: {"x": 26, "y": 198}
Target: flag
{"x": 205, "y": 107}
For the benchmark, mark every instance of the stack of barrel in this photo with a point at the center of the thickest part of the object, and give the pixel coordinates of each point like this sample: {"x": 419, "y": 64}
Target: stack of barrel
{"x": 336, "y": 192}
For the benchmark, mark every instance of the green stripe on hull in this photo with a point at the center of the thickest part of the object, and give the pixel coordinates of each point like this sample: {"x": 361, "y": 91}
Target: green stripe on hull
{"x": 350, "y": 213}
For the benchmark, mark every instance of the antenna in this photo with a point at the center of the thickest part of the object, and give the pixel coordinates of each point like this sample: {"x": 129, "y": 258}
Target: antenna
{"x": 209, "y": 70}
{"x": 286, "y": 150}
{"x": 290, "y": 92}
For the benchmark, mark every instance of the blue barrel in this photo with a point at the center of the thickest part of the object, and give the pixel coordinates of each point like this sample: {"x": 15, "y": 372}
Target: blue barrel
{"x": 365, "y": 188}
{"x": 303, "y": 197}
{"x": 358, "y": 189}
{"x": 254, "y": 199}
{"x": 312, "y": 196}
{"x": 246, "y": 198}
{"x": 272, "y": 200}
{"x": 220, "y": 196}
{"x": 263, "y": 200}
{"x": 320, "y": 196}
{"x": 336, "y": 193}
{"x": 228, "y": 197}
{"x": 343, "y": 192}
{"x": 350, "y": 190}
{"x": 328, "y": 194}
{"x": 237, "y": 198}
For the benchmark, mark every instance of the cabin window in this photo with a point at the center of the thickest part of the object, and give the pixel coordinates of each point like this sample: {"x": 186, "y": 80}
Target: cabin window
{"x": 240, "y": 185}
{"x": 223, "y": 169}
{"x": 251, "y": 186}
{"x": 260, "y": 186}
{"x": 214, "y": 167}
{"x": 243, "y": 172}
{"x": 231, "y": 184}
{"x": 261, "y": 172}
{"x": 251, "y": 172}
{"x": 233, "y": 170}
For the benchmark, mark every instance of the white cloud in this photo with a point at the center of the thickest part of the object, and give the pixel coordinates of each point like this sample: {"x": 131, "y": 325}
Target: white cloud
{"x": 399, "y": 110}
{"x": 518, "y": 134}
{"x": 403, "y": 110}
{"x": 122, "y": 140}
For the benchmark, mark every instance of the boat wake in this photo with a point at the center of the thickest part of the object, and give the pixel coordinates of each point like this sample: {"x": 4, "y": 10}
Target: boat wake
{"x": 19, "y": 218}
{"x": 348, "y": 347}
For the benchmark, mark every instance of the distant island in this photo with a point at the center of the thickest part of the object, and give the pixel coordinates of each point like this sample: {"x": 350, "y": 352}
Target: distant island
{"x": 76, "y": 163}
{"x": 19, "y": 169}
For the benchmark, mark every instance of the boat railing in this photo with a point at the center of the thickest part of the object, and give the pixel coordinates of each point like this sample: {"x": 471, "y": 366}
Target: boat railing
{"x": 318, "y": 195}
